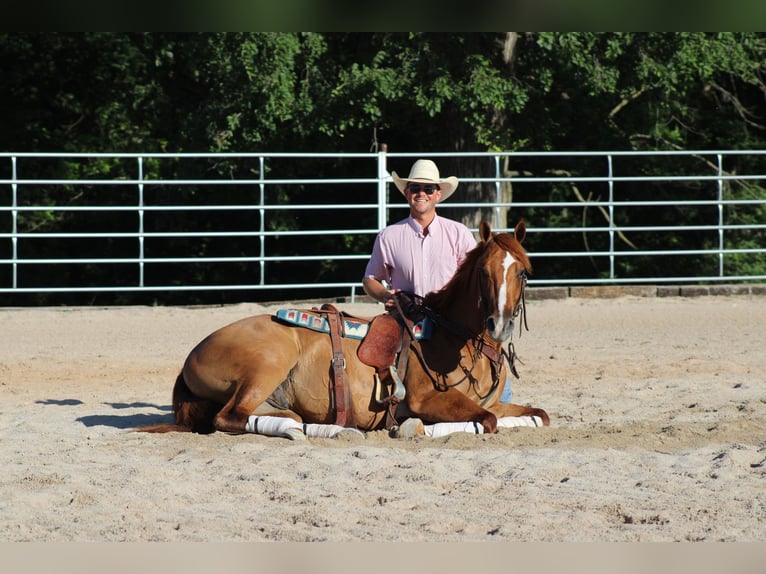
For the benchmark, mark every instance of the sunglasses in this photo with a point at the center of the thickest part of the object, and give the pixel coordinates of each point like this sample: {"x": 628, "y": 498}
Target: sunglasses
{"x": 427, "y": 189}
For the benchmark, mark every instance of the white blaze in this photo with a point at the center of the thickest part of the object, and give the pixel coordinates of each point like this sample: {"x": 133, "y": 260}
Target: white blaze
{"x": 502, "y": 294}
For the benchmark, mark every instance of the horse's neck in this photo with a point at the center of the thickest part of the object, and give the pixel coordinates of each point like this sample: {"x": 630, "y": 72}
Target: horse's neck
{"x": 455, "y": 342}
{"x": 461, "y": 316}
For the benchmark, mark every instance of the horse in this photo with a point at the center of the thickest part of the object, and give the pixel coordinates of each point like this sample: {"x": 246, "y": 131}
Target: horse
{"x": 261, "y": 366}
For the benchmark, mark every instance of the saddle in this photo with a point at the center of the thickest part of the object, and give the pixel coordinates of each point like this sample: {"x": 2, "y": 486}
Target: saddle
{"x": 386, "y": 349}
{"x": 384, "y": 338}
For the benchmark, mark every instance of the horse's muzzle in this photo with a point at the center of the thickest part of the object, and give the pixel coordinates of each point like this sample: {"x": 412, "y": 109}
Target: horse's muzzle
{"x": 499, "y": 331}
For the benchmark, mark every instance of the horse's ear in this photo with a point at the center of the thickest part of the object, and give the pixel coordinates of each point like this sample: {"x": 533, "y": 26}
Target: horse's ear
{"x": 521, "y": 231}
{"x": 484, "y": 231}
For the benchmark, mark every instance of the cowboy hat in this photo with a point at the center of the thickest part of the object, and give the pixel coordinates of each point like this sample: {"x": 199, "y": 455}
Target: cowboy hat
{"x": 425, "y": 171}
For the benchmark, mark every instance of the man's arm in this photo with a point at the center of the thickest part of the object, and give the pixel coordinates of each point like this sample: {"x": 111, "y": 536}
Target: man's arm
{"x": 378, "y": 291}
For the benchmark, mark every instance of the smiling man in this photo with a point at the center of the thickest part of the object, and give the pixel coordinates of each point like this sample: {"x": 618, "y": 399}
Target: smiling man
{"x": 421, "y": 253}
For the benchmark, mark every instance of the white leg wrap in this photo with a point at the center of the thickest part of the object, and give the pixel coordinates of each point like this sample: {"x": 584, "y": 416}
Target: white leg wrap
{"x": 271, "y": 426}
{"x": 327, "y": 431}
{"x": 442, "y": 429}
{"x": 525, "y": 421}
{"x": 288, "y": 428}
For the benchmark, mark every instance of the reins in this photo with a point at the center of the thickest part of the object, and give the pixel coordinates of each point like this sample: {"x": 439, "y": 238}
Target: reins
{"x": 521, "y": 307}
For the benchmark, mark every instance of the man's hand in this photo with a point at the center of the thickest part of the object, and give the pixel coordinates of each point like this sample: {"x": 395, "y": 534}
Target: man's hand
{"x": 390, "y": 298}
{"x": 378, "y": 291}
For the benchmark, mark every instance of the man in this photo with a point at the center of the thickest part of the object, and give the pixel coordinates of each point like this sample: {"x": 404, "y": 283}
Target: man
{"x": 421, "y": 253}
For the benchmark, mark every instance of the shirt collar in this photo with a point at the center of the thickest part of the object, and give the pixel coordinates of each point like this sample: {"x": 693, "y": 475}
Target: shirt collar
{"x": 434, "y": 226}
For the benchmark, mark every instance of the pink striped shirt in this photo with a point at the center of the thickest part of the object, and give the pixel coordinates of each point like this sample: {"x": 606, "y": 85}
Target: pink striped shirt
{"x": 410, "y": 261}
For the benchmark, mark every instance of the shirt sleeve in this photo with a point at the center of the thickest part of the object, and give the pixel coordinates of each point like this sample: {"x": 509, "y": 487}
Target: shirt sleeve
{"x": 376, "y": 266}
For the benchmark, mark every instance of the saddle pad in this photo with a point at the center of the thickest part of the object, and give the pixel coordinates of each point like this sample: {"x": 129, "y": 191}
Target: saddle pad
{"x": 353, "y": 329}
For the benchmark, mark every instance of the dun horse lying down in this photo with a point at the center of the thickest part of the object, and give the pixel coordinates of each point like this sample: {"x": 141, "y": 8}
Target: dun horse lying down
{"x": 266, "y": 374}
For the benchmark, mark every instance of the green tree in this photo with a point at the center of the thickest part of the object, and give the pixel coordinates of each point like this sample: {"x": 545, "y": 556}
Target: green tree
{"x": 416, "y": 92}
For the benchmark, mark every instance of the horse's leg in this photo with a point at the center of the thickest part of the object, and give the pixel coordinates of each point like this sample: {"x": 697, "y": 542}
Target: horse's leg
{"x": 447, "y": 406}
{"x": 247, "y": 400}
{"x": 239, "y": 366}
{"x": 513, "y": 410}
{"x": 267, "y": 412}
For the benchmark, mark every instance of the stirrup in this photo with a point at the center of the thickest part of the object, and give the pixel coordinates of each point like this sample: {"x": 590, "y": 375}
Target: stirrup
{"x": 398, "y": 392}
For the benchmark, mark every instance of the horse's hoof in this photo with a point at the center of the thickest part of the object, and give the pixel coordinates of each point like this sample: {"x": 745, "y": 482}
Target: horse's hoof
{"x": 410, "y": 428}
{"x": 294, "y": 434}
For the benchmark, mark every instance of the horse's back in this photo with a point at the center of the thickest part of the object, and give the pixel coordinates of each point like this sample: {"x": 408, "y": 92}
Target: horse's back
{"x": 261, "y": 349}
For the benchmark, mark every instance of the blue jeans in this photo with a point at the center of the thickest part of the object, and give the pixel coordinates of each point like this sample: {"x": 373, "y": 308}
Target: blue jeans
{"x": 507, "y": 392}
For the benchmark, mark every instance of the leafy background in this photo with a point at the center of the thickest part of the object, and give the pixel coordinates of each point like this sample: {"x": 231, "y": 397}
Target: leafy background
{"x": 351, "y": 92}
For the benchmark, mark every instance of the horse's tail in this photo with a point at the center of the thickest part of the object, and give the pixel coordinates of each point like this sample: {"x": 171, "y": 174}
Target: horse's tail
{"x": 192, "y": 413}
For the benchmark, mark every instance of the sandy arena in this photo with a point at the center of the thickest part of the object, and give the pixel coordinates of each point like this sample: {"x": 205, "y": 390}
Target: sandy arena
{"x": 658, "y": 433}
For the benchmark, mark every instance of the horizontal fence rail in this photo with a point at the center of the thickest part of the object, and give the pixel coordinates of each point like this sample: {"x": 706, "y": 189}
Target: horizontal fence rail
{"x": 288, "y": 224}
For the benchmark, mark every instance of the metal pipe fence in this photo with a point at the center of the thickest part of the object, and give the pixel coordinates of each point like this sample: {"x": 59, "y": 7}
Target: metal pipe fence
{"x": 132, "y": 223}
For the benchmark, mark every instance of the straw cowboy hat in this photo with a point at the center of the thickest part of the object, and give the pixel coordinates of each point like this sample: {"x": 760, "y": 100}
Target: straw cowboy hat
{"x": 425, "y": 171}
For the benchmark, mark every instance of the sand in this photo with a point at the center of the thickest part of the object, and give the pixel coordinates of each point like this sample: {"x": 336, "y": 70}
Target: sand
{"x": 658, "y": 433}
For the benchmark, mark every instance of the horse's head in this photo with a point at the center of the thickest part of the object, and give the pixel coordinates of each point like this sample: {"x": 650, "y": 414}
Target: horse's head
{"x": 503, "y": 271}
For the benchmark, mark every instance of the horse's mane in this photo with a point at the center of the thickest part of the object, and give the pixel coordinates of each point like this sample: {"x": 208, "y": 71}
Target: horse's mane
{"x": 465, "y": 278}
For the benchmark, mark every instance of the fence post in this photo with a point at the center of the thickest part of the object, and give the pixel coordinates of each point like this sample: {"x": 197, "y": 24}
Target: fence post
{"x": 498, "y": 195}
{"x": 140, "y": 221}
{"x": 14, "y": 225}
{"x": 382, "y": 187}
{"x": 720, "y": 217}
{"x": 611, "y": 216}
{"x": 262, "y": 216}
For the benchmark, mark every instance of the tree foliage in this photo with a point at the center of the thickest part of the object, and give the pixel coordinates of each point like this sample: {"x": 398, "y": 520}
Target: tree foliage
{"x": 475, "y": 91}
{"x": 418, "y": 92}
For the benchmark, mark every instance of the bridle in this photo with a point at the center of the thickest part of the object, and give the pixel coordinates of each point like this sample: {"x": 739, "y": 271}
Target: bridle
{"x": 521, "y": 304}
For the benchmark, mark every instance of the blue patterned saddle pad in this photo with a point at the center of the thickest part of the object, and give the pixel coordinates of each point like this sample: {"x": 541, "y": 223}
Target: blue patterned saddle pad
{"x": 354, "y": 328}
